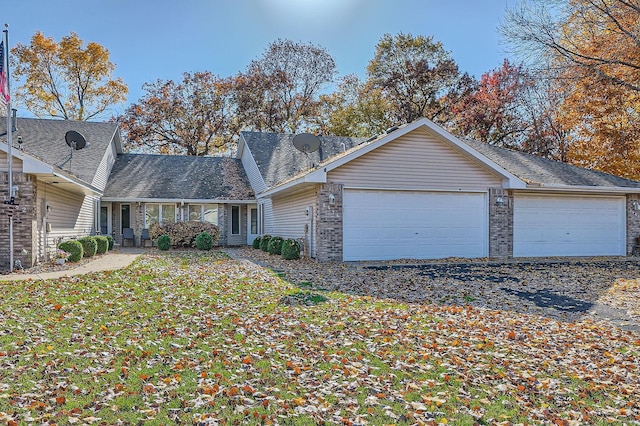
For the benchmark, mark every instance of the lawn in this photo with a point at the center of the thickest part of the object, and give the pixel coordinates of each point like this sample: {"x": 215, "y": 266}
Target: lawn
{"x": 198, "y": 338}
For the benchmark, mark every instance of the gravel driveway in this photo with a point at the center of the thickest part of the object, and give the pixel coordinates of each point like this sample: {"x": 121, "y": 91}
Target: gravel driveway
{"x": 570, "y": 290}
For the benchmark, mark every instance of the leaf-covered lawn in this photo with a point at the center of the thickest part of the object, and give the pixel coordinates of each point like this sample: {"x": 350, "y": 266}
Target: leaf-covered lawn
{"x": 196, "y": 338}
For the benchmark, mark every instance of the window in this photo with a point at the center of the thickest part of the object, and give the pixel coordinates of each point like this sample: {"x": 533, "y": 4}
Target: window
{"x": 204, "y": 213}
{"x": 254, "y": 221}
{"x": 155, "y": 213}
{"x": 235, "y": 220}
{"x": 125, "y": 214}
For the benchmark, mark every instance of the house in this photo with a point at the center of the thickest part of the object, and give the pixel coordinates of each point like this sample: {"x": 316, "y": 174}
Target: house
{"x": 144, "y": 189}
{"x": 414, "y": 192}
{"x": 419, "y": 192}
{"x": 65, "y": 193}
{"x": 58, "y": 188}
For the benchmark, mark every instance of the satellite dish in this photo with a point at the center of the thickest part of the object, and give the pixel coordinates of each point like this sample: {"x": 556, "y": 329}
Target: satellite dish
{"x": 306, "y": 142}
{"x": 75, "y": 140}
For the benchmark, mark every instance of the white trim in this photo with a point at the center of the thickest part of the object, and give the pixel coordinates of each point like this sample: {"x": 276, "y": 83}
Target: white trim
{"x": 379, "y": 188}
{"x": 581, "y": 189}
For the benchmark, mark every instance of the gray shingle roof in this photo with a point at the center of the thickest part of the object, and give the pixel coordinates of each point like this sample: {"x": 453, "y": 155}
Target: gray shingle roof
{"x": 180, "y": 177}
{"x": 278, "y": 160}
{"x": 44, "y": 140}
{"x": 537, "y": 170}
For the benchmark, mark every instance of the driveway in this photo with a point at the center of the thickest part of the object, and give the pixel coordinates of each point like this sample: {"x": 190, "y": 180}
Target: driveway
{"x": 569, "y": 290}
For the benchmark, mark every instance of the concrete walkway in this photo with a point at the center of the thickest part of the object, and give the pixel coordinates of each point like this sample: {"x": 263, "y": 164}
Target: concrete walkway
{"x": 117, "y": 259}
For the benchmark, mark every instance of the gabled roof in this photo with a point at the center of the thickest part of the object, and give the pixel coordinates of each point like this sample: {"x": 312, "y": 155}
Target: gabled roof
{"x": 148, "y": 177}
{"x": 283, "y": 167}
{"x": 539, "y": 171}
{"x": 44, "y": 140}
{"x": 278, "y": 160}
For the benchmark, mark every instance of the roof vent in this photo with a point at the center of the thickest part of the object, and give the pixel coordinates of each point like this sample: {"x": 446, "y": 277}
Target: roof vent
{"x": 391, "y": 129}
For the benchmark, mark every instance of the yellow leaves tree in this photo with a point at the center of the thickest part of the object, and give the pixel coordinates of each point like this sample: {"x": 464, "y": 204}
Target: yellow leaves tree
{"x": 66, "y": 79}
{"x": 600, "y": 77}
{"x": 591, "y": 50}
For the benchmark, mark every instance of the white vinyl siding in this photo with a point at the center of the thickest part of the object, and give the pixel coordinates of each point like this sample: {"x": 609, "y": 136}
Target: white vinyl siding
{"x": 569, "y": 225}
{"x": 70, "y": 214}
{"x": 102, "y": 173}
{"x": 416, "y": 160}
{"x": 386, "y": 225}
{"x": 291, "y": 217}
{"x": 252, "y": 171}
{"x": 16, "y": 164}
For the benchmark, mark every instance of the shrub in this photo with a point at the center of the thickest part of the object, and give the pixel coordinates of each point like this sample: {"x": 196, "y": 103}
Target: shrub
{"x": 89, "y": 246}
{"x": 290, "y": 249}
{"x": 184, "y": 234}
{"x": 74, "y": 248}
{"x": 256, "y": 242}
{"x": 164, "y": 242}
{"x": 112, "y": 242}
{"x": 264, "y": 242}
{"x": 204, "y": 241}
{"x": 103, "y": 244}
{"x": 275, "y": 245}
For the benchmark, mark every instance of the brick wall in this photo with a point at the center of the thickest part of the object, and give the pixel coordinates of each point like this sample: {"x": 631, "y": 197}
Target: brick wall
{"x": 24, "y": 221}
{"x": 633, "y": 223}
{"x": 500, "y": 224}
{"x": 329, "y": 223}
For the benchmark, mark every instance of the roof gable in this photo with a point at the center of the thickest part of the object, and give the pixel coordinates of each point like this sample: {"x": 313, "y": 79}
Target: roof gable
{"x": 179, "y": 177}
{"x": 278, "y": 160}
{"x": 45, "y": 141}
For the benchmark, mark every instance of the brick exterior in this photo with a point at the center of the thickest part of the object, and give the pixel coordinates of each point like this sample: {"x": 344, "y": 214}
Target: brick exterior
{"x": 24, "y": 221}
{"x": 633, "y": 224}
{"x": 500, "y": 224}
{"x": 328, "y": 220}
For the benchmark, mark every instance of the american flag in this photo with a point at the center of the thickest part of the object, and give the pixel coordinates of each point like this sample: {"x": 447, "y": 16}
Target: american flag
{"x": 4, "y": 86}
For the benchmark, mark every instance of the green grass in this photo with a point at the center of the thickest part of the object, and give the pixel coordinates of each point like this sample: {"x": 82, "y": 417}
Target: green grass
{"x": 188, "y": 337}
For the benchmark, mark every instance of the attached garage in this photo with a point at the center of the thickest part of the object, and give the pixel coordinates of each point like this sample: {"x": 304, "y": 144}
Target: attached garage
{"x": 569, "y": 225}
{"x": 384, "y": 225}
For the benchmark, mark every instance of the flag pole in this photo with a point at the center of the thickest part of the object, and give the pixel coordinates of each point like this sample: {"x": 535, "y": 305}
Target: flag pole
{"x": 9, "y": 144}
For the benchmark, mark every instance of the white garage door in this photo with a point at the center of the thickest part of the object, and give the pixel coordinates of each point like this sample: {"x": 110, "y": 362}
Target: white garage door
{"x": 569, "y": 226}
{"x": 385, "y": 225}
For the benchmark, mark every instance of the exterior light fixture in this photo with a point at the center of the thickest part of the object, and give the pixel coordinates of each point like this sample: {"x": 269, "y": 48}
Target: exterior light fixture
{"x": 332, "y": 200}
{"x": 500, "y": 201}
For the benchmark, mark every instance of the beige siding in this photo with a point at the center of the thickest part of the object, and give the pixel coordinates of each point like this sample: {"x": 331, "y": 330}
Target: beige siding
{"x": 289, "y": 217}
{"x": 16, "y": 165}
{"x": 251, "y": 168}
{"x": 102, "y": 174}
{"x": 269, "y": 221}
{"x": 70, "y": 214}
{"x": 417, "y": 160}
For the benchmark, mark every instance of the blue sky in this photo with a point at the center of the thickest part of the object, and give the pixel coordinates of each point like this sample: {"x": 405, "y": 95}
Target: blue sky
{"x": 161, "y": 39}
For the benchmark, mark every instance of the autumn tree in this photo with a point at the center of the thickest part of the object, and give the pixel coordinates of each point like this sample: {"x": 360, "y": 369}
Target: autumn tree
{"x": 417, "y": 76}
{"x": 279, "y": 91}
{"x": 592, "y": 49}
{"x": 192, "y": 117}
{"x": 66, "y": 79}
{"x": 354, "y": 110}
{"x": 492, "y": 111}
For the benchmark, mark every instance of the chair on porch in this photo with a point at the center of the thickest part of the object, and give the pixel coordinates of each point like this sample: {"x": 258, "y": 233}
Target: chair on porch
{"x": 144, "y": 237}
{"x": 127, "y": 234}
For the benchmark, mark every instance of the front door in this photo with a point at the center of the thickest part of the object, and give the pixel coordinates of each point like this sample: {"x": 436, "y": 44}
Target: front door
{"x": 252, "y": 224}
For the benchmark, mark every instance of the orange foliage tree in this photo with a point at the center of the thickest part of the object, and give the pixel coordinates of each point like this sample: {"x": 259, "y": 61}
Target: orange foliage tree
{"x": 66, "y": 79}
{"x": 592, "y": 49}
